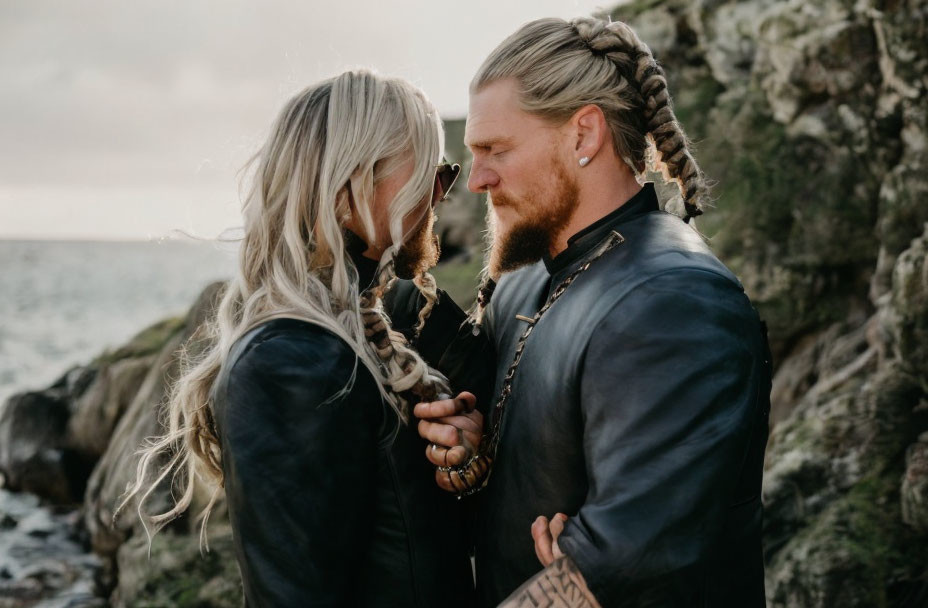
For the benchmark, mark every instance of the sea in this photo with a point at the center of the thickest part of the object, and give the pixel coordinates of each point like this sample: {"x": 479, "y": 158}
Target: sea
{"x": 64, "y": 302}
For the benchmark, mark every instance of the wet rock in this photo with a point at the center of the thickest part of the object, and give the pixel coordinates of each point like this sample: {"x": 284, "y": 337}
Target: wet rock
{"x": 100, "y": 407}
{"x": 111, "y": 476}
{"x": 98, "y": 415}
{"x": 50, "y": 440}
{"x": 43, "y": 560}
{"x": 32, "y": 454}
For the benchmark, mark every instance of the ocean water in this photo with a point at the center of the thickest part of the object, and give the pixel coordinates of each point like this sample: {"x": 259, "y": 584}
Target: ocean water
{"x": 63, "y": 302}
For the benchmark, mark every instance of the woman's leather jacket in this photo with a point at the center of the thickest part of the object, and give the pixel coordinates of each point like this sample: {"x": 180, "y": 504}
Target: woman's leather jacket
{"x": 330, "y": 495}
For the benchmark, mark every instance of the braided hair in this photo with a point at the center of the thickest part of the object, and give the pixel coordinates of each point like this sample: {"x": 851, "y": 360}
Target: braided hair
{"x": 409, "y": 377}
{"x": 406, "y": 374}
{"x": 343, "y": 133}
{"x": 562, "y": 66}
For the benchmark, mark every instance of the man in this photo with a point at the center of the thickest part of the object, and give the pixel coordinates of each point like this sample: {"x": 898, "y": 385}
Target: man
{"x": 633, "y": 375}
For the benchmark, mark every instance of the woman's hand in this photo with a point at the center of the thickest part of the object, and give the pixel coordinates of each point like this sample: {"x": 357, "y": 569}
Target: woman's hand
{"x": 454, "y": 429}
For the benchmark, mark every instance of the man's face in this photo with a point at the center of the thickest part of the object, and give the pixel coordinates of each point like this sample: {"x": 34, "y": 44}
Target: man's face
{"x": 519, "y": 162}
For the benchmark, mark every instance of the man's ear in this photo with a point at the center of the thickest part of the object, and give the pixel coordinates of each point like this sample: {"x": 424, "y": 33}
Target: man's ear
{"x": 589, "y": 130}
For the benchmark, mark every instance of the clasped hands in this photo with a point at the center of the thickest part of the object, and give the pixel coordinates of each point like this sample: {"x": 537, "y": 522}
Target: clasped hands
{"x": 454, "y": 429}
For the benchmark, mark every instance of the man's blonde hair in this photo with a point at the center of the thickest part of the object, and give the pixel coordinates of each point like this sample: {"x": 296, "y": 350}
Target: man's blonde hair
{"x": 561, "y": 66}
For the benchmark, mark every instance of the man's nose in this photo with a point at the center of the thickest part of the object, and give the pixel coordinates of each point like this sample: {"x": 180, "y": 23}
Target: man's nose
{"x": 481, "y": 178}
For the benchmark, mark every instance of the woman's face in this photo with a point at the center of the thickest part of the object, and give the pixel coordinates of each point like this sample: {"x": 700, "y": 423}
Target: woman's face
{"x": 416, "y": 224}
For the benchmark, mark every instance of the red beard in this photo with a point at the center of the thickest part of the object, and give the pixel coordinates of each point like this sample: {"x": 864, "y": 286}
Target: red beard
{"x": 543, "y": 213}
{"x": 419, "y": 252}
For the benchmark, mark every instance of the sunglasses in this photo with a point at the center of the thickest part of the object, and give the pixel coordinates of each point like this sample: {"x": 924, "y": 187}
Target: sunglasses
{"x": 445, "y": 175}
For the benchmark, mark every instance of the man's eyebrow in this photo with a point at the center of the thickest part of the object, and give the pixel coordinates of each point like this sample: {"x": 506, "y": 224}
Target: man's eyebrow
{"x": 489, "y": 142}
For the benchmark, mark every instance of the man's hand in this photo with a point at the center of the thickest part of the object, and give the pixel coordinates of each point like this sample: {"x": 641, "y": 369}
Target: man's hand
{"x": 545, "y": 534}
{"x": 560, "y": 583}
{"x": 454, "y": 429}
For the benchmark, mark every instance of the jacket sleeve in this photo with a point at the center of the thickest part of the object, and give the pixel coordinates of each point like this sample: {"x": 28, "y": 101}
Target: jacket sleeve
{"x": 670, "y": 395}
{"x": 299, "y": 441}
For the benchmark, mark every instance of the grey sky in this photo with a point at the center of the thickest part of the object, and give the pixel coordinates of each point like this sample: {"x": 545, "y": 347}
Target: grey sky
{"x": 129, "y": 119}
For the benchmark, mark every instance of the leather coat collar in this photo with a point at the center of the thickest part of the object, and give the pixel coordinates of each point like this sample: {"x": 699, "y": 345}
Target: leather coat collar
{"x": 583, "y": 242}
{"x": 367, "y": 268}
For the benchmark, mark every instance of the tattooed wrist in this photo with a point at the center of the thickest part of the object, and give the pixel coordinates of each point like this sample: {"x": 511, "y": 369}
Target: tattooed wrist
{"x": 560, "y": 584}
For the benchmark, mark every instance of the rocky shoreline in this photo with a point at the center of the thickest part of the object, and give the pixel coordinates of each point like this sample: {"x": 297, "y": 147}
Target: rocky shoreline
{"x": 811, "y": 117}
{"x": 44, "y": 557}
{"x": 72, "y": 445}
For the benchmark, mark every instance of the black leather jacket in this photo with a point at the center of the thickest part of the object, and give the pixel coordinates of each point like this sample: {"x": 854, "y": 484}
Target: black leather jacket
{"x": 331, "y": 499}
{"x": 640, "y": 410}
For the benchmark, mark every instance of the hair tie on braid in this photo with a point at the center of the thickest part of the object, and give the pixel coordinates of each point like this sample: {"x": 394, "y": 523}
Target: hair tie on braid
{"x": 691, "y": 211}
{"x": 484, "y": 293}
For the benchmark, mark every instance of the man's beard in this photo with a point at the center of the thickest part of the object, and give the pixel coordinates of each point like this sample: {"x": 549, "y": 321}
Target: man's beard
{"x": 419, "y": 252}
{"x": 543, "y": 215}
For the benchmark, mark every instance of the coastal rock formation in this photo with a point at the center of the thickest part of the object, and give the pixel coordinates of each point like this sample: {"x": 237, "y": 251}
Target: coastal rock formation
{"x": 50, "y": 440}
{"x": 811, "y": 120}
{"x": 811, "y": 117}
{"x": 80, "y": 464}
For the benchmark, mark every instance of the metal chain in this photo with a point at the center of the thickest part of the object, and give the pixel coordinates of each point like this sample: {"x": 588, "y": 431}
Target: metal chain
{"x": 473, "y": 475}
{"x": 611, "y": 241}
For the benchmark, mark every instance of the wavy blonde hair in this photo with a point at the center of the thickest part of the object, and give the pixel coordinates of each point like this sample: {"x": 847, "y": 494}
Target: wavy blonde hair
{"x": 342, "y": 135}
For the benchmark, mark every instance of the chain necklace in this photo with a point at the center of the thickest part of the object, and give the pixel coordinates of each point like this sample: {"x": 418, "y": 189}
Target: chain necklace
{"x": 473, "y": 475}
{"x": 611, "y": 241}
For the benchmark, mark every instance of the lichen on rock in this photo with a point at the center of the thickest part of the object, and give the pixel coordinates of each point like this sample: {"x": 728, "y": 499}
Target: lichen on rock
{"x": 810, "y": 119}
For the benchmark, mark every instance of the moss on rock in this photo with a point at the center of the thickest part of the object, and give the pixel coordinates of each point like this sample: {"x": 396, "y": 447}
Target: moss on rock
{"x": 149, "y": 341}
{"x": 177, "y": 575}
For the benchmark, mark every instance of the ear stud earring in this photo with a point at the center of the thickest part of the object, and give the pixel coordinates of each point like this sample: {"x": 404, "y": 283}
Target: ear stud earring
{"x": 584, "y": 161}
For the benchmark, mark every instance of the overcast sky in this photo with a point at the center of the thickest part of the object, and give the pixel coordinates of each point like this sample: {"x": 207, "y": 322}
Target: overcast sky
{"x": 127, "y": 120}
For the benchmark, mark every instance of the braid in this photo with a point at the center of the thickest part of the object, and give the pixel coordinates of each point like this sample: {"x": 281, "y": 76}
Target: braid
{"x": 405, "y": 370}
{"x": 408, "y": 375}
{"x": 618, "y": 43}
{"x": 427, "y": 286}
{"x": 484, "y": 294}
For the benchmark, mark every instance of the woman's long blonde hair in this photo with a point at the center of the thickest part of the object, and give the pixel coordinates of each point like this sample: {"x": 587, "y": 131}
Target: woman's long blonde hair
{"x": 342, "y": 135}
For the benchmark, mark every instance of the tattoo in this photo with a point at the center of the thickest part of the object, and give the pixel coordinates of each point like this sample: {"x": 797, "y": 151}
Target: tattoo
{"x": 560, "y": 585}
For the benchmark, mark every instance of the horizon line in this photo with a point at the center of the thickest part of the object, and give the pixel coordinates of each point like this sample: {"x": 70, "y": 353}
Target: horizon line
{"x": 106, "y": 239}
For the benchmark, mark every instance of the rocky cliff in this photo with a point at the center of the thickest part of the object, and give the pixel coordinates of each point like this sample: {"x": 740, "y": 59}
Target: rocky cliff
{"x": 811, "y": 118}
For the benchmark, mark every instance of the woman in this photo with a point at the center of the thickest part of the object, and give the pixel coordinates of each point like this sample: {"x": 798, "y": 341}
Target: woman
{"x": 298, "y": 407}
